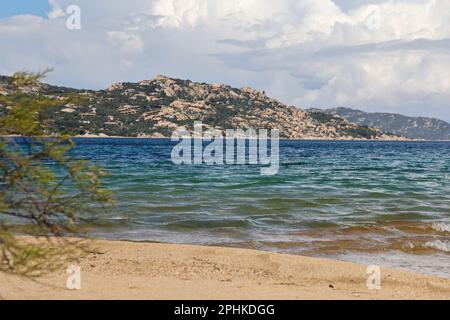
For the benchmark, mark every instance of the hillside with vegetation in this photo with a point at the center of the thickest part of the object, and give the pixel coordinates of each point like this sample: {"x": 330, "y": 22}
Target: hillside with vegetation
{"x": 411, "y": 127}
{"x": 155, "y": 108}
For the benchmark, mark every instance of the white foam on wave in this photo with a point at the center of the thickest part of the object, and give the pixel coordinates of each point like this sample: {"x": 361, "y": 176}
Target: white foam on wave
{"x": 438, "y": 245}
{"x": 441, "y": 227}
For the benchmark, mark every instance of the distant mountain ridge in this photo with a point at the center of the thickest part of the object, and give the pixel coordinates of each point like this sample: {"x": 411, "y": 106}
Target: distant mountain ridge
{"x": 411, "y": 127}
{"x": 155, "y": 108}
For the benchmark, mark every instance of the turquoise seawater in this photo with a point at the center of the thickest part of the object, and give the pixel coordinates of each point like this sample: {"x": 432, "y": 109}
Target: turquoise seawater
{"x": 382, "y": 203}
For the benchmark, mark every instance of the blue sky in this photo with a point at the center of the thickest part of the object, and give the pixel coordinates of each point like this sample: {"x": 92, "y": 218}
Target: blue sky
{"x": 15, "y": 7}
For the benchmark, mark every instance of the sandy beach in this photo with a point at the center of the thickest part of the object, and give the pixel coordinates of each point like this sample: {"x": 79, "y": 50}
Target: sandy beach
{"x": 128, "y": 270}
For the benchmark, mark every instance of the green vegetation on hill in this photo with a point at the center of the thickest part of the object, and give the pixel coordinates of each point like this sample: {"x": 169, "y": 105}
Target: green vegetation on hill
{"x": 411, "y": 127}
{"x": 156, "y": 107}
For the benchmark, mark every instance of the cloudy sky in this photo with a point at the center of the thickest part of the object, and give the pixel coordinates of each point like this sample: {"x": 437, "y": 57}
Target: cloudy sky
{"x": 375, "y": 55}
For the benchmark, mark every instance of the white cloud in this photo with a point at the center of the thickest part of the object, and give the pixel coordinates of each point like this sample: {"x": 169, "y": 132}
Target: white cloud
{"x": 295, "y": 22}
{"x": 391, "y": 55}
{"x": 57, "y": 11}
{"x": 126, "y": 41}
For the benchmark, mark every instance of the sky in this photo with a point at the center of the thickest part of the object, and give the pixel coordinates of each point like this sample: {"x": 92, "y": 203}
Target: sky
{"x": 10, "y": 8}
{"x": 374, "y": 55}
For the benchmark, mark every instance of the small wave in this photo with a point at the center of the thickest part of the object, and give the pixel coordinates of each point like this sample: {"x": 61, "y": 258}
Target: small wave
{"x": 441, "y": 227}
{"x": 207, "y": 224}
{"x": 295, "y": 163}
{"x": 438, "y": 245}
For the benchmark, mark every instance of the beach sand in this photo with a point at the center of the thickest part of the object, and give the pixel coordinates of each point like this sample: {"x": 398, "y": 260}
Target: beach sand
{"x": 129, "y": 270}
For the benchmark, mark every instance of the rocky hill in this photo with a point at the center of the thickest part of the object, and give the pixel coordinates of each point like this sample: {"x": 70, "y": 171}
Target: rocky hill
{"x": 154, "y": 108}
{"x": 411, "y": 127}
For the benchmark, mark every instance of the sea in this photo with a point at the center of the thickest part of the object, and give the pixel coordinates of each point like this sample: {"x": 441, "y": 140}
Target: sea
{"x": 378, "y": 203}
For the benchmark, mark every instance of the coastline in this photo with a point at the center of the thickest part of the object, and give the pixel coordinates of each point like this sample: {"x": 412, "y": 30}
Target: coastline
{"x": 138, "y": 270}
{"x": 281, "y": 139}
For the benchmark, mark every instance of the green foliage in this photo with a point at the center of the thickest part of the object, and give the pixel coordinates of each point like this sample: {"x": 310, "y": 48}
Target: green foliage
{"x": 43, "y": 190}
{"x": 26, "y": 79}
{"x": 321, "y": 117}
{"x": 363, "y": 132}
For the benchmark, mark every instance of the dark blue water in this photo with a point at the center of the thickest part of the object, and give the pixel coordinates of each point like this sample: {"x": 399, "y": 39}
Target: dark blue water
{"x": 375, "y": 202}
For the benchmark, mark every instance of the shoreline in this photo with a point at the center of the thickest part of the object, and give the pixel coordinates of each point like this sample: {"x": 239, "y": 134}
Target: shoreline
{"x": 147, "y": 270}
{"x": 281, "y": 139}
{"x": 92, "y": 136}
